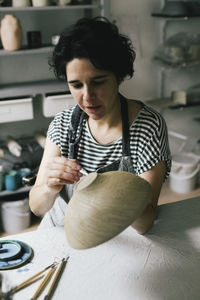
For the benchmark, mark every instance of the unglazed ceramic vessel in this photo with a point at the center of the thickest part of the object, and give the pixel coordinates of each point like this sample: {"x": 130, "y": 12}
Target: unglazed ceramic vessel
{"x": 63, "y": 2}
{"x": 21, "y": 3}
{"x": 103, "y": 205}
{"x": 39, "y": 3}
{"x": 11, "y": 33}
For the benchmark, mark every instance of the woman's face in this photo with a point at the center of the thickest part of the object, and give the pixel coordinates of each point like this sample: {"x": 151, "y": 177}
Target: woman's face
{"x": 95, "y": 90}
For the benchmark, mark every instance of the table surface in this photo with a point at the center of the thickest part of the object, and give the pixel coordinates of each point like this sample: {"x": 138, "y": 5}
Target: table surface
{"x": 163, "y": 264}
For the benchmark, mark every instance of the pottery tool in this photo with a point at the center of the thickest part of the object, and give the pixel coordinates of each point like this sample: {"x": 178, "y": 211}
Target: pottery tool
{"x": 29, "y": 280}
{"x": 56, "y": 278}
{"x": 83, "y": 171}
{"x": 44, "y": 282}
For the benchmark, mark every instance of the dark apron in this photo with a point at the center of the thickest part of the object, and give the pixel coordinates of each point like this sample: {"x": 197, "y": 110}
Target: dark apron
{"x": 122, "y": 164}
{"x": 55, "y": 216}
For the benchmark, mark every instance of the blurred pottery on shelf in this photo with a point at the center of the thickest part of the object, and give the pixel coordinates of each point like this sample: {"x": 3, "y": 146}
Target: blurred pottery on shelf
{"x": 55, "y": 39}
{"x": 82, "y": 2}
{"x": 34, "y": 39}
{"x": 39, "y": 3}
{"x": 179, "y": 9}
{"x": 63, "y": 2}
{"x": 12, "y": 180}
{"x": 194, "y": 52}
{"x": 179, "y": 97}
{"x": 11, "y": 33}
{"x": 21, "y": 3}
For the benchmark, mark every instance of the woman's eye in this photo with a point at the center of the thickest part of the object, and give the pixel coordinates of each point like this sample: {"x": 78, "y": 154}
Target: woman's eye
{"x": 77, "y": 86}
{"x": 99, "y": 82}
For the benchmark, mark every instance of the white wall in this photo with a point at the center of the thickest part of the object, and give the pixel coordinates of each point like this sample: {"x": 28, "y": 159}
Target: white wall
{"x": 146, "y": 34}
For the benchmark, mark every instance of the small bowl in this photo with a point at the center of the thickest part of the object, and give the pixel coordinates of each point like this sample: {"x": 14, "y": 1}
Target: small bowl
{"x": 55, "y": 39}
{"x": 9, "y": 250}
{"x": 173, "y": 9}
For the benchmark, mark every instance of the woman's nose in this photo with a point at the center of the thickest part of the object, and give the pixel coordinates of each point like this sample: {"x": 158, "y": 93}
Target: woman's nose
{"x": 87, "y": 94}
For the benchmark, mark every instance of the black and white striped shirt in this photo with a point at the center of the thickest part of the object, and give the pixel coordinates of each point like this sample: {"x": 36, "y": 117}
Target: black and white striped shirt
{"x": 148, "y": 142}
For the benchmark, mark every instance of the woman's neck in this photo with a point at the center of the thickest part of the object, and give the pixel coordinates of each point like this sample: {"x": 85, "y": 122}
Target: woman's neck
{"x": 108, "y": 128}
{"x": 110, "y": 119}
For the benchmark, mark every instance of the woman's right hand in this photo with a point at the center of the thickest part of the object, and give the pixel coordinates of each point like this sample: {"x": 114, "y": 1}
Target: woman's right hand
{"x": 60, "y": 171}
{"x": 54, "y": 172}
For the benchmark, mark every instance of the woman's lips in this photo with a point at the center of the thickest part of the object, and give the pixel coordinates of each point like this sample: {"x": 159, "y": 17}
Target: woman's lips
{"x": 93, "y": 109}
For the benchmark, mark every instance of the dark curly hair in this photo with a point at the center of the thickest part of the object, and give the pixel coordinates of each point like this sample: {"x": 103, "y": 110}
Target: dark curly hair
{"x": 99, "y": 41}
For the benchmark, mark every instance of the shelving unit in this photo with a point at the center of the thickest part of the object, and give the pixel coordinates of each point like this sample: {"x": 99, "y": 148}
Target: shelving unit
{"x": 26, "y": 72}
{"x": 39, "y": 79}
{"x": 26, "y": 51}
{"x": 180, "y": 24}
{"x": 53, "y": 7}
{"x": 40, "y": 18}
{"x": 14, "y": 195}
{"x": 33, "y": 88}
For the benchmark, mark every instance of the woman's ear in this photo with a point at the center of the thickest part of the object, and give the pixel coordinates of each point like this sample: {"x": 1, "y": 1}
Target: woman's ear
{"x": 119, "y": 80}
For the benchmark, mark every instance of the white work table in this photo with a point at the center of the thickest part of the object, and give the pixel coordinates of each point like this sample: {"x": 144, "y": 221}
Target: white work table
{"x": 161, "y": 265}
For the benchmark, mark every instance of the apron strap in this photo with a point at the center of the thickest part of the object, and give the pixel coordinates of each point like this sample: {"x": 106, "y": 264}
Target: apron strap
{"x": 125, "y": 127}
{"x": 77, "y": 119}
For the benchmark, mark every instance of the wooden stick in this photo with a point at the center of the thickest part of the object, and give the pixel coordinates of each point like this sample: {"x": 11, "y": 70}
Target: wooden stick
{"x": 27, "y": 281}
{"x": 43, "y": 283}
{"x": 55, "y": 279}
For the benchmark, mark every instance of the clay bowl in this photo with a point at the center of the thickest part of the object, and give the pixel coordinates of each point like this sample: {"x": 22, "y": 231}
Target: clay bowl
{"x": 103, "y": 205}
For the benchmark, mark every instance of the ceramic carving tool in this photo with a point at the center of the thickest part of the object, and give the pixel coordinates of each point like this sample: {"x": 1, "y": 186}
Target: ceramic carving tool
{"x": 83, "y": 171}
{"x": 28, "y": 281}
{"x": 43, "y": 283}
{"x": 56, "y": 278}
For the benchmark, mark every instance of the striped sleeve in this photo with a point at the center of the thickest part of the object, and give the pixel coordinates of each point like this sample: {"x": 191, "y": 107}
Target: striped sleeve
{"x": 155, "y": 146}
{"x": 58, "y": 130}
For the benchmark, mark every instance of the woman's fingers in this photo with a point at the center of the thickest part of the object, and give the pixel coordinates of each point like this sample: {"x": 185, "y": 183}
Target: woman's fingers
{"x": 66, "y": 162}
{"x": 57, "y": 182}
{"x": 61, "y": 170}
{"x": 64, "y": 175}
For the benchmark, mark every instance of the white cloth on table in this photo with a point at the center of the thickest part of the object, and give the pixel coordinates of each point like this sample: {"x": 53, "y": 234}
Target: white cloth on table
{"x": 161, "y": 265}
{"x": 55, "y": 216}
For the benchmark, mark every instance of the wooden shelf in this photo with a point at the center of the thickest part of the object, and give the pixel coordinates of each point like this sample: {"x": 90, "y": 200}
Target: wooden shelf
{"x": 32, "y": 88}
{"x": 176, "y": 18}
{"x": 46, "y": 49}
{"x": 18, "y": 194}
{"x": 47, "y": 8}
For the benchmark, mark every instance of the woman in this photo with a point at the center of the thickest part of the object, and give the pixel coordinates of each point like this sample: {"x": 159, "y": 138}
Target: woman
{"x": 105, "y": 131}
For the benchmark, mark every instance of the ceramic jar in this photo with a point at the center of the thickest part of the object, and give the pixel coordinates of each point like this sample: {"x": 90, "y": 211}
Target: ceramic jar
{"x": 34, "y": 39}
{"x": 21, "y": 3}
{"x": 63, "y": 2}
{"x": 1, "y": 178}
{"x": 12, "y": 180}
{"x": 39, "y": 3}
{"x": 11, "y": 33}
